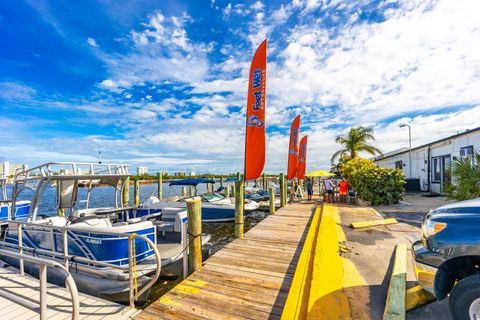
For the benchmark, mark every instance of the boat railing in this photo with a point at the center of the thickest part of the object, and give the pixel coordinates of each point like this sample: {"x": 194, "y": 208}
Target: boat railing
{"x": 71, "y": 169}
{"x": 43, "y": 264}
{"x": 134, "y": 294}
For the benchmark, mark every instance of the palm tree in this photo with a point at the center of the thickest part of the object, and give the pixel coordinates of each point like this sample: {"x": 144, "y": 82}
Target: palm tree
{"x": 355, "y": 141}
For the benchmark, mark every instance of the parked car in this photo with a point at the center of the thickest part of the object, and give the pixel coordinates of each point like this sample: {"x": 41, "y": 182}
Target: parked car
{"x": 447, "y": 258}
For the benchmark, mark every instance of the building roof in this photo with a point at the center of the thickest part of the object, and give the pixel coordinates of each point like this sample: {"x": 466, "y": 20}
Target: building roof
{"x": 404, "y": 150}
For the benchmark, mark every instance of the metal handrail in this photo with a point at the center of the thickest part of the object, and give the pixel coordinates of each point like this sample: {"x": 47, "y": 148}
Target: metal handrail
{"x": 67, "y": 257}
{"x": 46, "y": 169}
{"x": 43, "y": 264}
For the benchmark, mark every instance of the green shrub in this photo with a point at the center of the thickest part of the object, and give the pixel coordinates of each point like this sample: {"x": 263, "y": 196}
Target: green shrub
{"x": 465, "y": 177}
{"x": 376, "y": 185}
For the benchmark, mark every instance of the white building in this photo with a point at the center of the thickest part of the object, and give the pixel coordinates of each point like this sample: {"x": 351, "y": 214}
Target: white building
{"x": 8, "y": 169}
{"x": 431, "y": 161}
{"x": 192, "y": 174}
{"x": 142, "y": 170}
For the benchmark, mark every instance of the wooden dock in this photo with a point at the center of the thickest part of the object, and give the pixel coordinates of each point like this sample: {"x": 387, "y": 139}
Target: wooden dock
{"x": 248, "y": 279}
{"x": 59, "y": 305}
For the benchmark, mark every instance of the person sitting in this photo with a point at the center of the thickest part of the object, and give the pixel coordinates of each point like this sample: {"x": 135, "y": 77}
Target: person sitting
{"x": 343, "y": 188}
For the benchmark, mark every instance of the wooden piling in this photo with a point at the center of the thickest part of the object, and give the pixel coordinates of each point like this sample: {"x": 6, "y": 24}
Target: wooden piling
{"x": 160, "y": 185}
{"x": 221, "y": 182}
{"x": 190, "y": 191}
{"x": 272, "y": 200}
{"x": 136, "y": 193}
{"x": 264, "y": 181}
{"x": 184, "y": 191}
{"x": 283, "y": 191}
{"x": 213, "y": 185}
{"x": 227, "y": 192}
{"x": 194, "y": 212}
{"x": 239, "y": 206}
{"x": 238, "y": 176}
{"x": 233, "y": 191}
{"x": 126, "y": 192}
{"x": 256, "y": 183}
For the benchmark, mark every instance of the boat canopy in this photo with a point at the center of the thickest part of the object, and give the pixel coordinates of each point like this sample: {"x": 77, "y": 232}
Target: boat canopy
{"x": 190, "y": 182}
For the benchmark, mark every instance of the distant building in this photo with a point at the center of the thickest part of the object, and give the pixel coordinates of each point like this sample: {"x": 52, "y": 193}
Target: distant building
{"x": 180, "y": 174}
{"x": 192, "y": 174}
{"x": 142, "y": 170}
{"x": 8, "y": 169}
{"x": 431, "y": 161}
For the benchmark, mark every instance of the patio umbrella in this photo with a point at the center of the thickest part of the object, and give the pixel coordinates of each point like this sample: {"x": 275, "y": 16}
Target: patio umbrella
{"x": 320, "y": 173}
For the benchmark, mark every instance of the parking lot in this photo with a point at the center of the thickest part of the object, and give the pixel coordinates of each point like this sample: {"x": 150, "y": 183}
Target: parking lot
{"x": 371, "y": 250}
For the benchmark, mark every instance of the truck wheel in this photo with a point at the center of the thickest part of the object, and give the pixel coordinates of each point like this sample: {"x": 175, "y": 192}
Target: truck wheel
{"x": 465, "y": 298}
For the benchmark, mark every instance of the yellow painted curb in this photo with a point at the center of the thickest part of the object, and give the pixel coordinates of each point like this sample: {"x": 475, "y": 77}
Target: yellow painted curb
{"x": 296, "y": 305}
{"x": 331, "y": 273}
{"x": 417, "y": 297}
{"x": 395, "y": 304}
{"x": 322, "y": 275}
{"x": 371, "y": 223}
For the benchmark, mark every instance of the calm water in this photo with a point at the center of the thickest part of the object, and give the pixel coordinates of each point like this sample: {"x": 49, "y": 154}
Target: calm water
{"x": 104, "y": 196}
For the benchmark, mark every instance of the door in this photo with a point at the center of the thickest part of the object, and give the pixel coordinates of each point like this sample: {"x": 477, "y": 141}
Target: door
{"x": 440, "y": 172}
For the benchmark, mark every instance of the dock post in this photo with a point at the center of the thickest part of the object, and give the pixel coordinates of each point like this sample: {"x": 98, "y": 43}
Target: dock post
{"x": 213, "y": 185}
{"x": 239, "y": 202}
{"x": 227, "y": 192}
{"x": 233, "y": 191}
{"x": 283, "y": 191}
{"x": 238, "y": 176}
{"x": 272, "y": 200}
{"x": 264, "y": 182}
{"x": 194, "y": 212}
{"x": 184, "y": 191}
{"x": 221, "y": 182}
{"x": 190, "y": 191}
{"x": 256, "y": 183}
{"x": 126, "y": 192}
{"x": 136, "y": 192}
{"x": 239, "y": 206}
{"x": 160, "y": 185}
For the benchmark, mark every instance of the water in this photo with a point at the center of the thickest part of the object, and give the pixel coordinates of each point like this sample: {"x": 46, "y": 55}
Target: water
{"x": 103, "y": 196}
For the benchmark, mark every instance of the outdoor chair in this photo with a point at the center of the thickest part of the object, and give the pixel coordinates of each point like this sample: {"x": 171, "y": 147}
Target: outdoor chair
{"x": 352, "y": 197}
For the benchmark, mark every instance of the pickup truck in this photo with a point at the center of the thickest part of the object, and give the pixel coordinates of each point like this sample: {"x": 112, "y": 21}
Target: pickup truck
{"x": 447, "y": 258}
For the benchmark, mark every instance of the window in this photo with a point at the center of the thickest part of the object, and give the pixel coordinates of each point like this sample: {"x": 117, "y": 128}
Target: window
{"x": 467, "y": 153}
{"x": 399, "y": 165}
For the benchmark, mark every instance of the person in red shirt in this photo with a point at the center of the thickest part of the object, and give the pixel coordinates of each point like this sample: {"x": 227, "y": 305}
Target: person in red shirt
{"x": 343, "y": 186}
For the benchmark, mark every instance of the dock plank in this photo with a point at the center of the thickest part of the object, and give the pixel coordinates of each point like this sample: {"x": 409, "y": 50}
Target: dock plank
{"x": 248, "y": 279}
{"x": 59, "y": 306}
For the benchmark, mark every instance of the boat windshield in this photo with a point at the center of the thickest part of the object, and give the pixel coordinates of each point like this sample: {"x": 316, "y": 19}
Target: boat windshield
{"x": 211, "y": 197}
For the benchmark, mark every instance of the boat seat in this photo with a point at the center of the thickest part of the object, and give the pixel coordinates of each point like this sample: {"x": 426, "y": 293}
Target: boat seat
{"x": 165, "y": 225}
{"x": 120, "y": 224}
{"x": 134, "y": 220}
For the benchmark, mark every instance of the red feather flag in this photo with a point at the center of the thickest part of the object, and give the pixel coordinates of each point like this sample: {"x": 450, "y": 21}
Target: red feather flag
{"x": 293, "y": 149}
{"x": 302, "y": 158}
{"x": 255, "y": 124}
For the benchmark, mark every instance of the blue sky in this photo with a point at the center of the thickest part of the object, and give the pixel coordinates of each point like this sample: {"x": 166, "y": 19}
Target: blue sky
{"x": 163, "y": 83}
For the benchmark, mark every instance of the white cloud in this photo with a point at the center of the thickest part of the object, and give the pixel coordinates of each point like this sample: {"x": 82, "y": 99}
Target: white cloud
{"x": 257, "y": 6}
{"x": 227, "y": 10}
{"x": 92, "y": 42}
{"x": 16, "y": 91}
{"x": 162, "y": 51}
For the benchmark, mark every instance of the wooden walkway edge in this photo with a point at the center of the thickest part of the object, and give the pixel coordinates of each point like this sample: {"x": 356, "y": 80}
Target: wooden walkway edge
{"x": 248, "y": 279}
